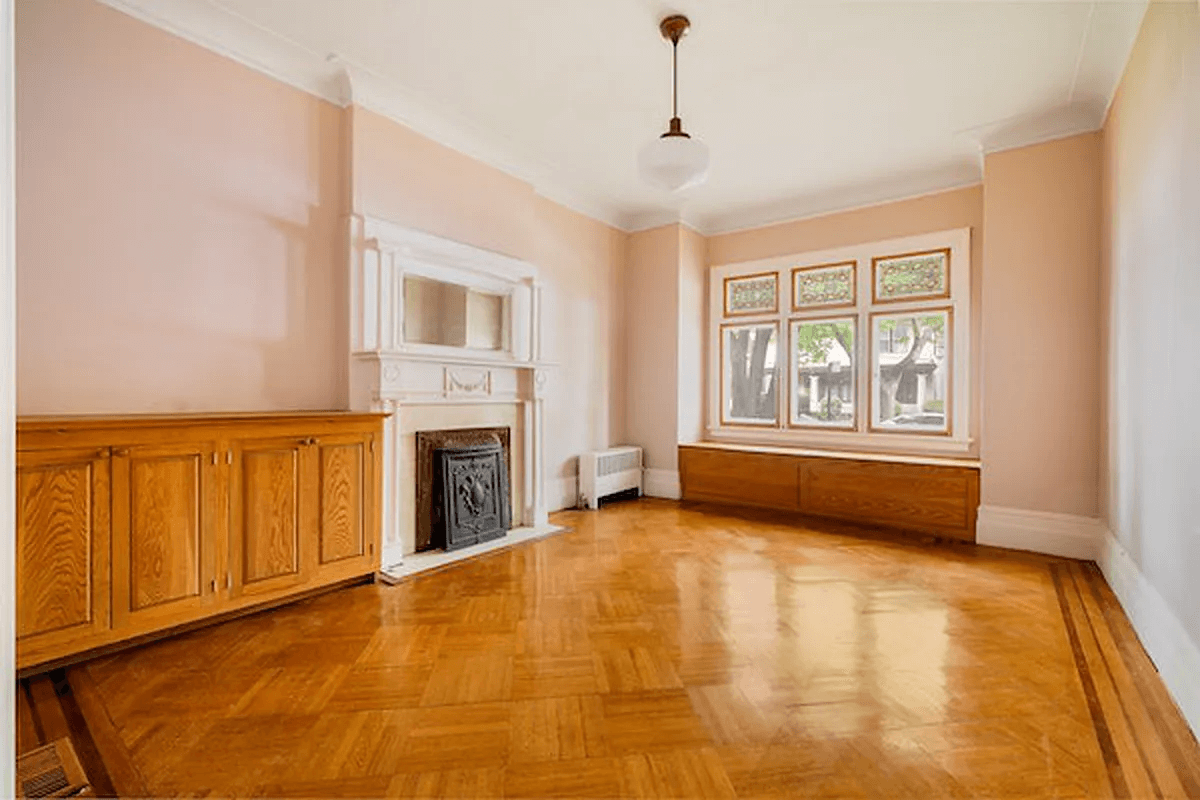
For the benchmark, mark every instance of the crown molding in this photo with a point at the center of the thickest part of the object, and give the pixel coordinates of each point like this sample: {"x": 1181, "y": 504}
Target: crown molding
{"x": 341, "y": 82}
{"x": 851, "y": 198}
{"x": 1037, "y": 127}
{"x": 650, "y": 219}
{"x": 237, "y": 39}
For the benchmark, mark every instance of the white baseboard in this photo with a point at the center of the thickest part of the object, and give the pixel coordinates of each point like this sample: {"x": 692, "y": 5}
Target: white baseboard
{"x": 1167, "y": 642}
{"x": 661, "y": 483}
{"x": 1040, "y": 532}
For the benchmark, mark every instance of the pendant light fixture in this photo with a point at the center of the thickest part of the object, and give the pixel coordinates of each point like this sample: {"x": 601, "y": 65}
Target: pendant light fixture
{"x": 674, "y": 161}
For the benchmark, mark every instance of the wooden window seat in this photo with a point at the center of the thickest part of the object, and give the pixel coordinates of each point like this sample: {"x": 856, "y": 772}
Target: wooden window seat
{"x": 927, "y": 495}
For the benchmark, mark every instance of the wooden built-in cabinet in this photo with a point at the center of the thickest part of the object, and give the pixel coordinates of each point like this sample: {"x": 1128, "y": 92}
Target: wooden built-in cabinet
{"x": 923, "y": 495}
{"x": 127, "y": 526}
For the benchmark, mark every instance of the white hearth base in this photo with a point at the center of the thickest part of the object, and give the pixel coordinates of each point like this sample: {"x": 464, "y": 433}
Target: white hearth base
{"x": 432, "y": 559}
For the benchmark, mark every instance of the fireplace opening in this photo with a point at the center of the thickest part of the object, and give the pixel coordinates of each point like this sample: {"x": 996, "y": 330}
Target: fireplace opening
{"x": 464, "y": 479}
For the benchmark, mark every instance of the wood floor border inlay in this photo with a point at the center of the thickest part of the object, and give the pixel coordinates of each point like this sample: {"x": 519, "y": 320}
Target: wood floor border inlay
{"x": 1174, "y": 734}
{"x": 1104, "y": 737}
{"x": 1139, "y": 737}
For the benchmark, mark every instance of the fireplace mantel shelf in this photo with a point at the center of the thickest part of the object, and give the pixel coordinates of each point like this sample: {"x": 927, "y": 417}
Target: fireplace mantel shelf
{"x": 468, "y": 358}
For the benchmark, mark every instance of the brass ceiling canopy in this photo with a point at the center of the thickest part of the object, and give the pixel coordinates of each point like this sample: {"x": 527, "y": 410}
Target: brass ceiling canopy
{"x": 674, "y": 27}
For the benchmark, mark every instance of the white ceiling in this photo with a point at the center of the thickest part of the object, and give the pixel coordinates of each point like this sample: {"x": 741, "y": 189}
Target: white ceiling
{"x": 806, "y": 106}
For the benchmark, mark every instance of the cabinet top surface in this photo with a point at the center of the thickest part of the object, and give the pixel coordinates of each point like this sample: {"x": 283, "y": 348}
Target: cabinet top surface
{"x": 85, "y": 421}
{"x": 842, "y": 454}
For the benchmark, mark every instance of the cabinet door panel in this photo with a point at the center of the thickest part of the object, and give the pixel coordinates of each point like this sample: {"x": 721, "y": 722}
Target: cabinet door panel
{"x": 62, "y": 538}
{"x": 269, "y": 517}
{"x": 164, "y": 533}
{"x": 346, "y": 518}
{"x": 341, "y": 495}
{"x": 165, "y": 529}
{"x": 272, "y": 514}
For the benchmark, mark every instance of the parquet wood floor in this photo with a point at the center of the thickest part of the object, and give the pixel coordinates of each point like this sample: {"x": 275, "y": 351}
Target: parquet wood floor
{"x": 658, "y": 650}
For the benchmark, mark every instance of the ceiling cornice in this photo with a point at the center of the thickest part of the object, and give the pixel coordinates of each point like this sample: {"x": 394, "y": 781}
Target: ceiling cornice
{"x": 338, "y": 81}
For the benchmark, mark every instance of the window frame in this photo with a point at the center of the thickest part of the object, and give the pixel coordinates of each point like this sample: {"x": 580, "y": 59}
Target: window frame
{"x": 847, "y": 312}
{"x": 864, "y": 435}
{"x": 874, "y": 427}
{"x": 747, "y": 323}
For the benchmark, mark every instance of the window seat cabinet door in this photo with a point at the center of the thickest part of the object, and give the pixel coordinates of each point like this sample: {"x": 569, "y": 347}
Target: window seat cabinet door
{"x": 132, "y": 526}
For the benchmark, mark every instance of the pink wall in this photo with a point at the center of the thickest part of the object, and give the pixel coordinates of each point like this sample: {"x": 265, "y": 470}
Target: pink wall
{"x": 693, "y": 335}
{"x": 958, "y": 208}
{"x": 404, "y": 177}
{"x": 177, "y": 225}
{"x": 1041, "y": 317}
{"x": 652, "y": 311}
{"x": 1151, "y": 249}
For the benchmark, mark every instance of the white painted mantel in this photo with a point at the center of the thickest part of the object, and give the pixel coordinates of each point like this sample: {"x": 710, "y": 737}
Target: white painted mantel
{"x": 454, "y": 386}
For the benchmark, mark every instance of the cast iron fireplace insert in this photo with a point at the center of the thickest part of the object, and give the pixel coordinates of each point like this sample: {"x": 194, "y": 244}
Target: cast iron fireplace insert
{"x": 470, "y": 495}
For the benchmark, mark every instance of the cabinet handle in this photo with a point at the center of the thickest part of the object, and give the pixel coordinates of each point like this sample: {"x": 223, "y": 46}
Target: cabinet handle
{"x": 119, "y": 452}
{"x": 308, "y": 441}
{"x": 214, "y": 585}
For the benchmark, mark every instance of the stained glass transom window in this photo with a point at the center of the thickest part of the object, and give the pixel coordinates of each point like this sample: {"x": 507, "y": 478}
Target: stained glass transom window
{"x": 754, "y": 294}
{"x": 814, "y": 287}
{"x": 912, "y": 277}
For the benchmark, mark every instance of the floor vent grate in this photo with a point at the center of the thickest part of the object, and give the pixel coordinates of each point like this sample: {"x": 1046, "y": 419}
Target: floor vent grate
{"x": 51, "y": 771}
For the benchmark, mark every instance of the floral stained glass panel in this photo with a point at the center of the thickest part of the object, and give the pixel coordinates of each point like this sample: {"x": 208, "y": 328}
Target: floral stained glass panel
{"x": 913, "y": 277}
{"x": 755, "y": 294}
{"x": 814, "y": 287}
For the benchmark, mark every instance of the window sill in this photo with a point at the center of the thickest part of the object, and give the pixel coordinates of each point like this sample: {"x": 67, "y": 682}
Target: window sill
{"x": 911, "y": 449}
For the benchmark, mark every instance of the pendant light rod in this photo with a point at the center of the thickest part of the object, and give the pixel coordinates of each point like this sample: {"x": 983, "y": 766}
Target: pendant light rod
{"x": 675, "y": 78}
{"x": 672, "y": 29}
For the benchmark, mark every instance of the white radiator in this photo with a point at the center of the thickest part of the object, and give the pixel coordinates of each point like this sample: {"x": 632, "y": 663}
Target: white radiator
{"x": 606, "y": 472}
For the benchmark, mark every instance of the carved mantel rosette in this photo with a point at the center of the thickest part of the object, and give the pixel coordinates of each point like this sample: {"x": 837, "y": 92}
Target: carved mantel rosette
{"x": 388, "y": 373}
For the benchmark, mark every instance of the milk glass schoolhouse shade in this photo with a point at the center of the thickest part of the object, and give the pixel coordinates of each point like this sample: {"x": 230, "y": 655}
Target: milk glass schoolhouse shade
{"x": 674, "y": 162}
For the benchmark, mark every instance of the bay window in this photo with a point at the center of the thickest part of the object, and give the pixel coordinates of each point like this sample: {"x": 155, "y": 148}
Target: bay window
{"x": 863, "y": 346}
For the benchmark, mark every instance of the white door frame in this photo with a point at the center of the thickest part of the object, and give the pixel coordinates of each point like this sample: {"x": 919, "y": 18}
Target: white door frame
{"x": 8, "y": 404}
